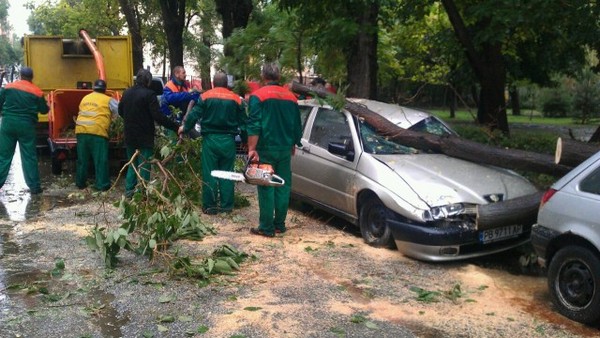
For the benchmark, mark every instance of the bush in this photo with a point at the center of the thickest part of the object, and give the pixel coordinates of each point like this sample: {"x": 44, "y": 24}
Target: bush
{"x": 586, "y": 101}
{"x": 556, "y": 102}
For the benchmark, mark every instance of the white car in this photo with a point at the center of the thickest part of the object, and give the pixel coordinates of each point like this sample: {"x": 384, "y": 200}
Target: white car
{"x": 567, "y": 241}
{"x": 422, "y": 203}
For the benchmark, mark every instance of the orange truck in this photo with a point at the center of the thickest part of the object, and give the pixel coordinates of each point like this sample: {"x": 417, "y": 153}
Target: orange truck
{"x": 65, "y": 70}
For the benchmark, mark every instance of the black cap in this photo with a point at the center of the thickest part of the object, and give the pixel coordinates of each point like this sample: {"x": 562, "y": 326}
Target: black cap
{"x": 26, "y": 72}
{"x": 100, "y": 85}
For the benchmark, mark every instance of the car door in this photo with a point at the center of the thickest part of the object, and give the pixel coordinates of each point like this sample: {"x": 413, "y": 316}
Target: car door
{"x": 319, "y": 174}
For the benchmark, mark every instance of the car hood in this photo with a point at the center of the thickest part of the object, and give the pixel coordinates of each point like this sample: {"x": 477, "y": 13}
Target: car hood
{"x": 439, "y": 179}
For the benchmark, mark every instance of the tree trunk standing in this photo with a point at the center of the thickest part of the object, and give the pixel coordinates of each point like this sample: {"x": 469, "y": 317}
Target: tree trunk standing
{"x": 489, "y": 68}
{"x": 492, "y": 78}
{"x": 205, "y": 79}
{"x": 129, "y": 10}
{"x": 361, "y": 55}
{"x": 515, "y": 100}
{"x": 453, "y": 100}
{"x": 234, "y": 14}
{"x": 173, "y": 16}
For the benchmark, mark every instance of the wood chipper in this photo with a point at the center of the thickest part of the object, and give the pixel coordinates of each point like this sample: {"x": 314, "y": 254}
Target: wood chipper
{"x": 65, "y": 70}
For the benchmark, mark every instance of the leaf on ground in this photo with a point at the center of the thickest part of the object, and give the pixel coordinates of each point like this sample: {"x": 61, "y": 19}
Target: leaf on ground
{"x": 252, "y": 308}
{"x": 339, "y": 332}
{"x": 162, "y": 328}
{"x": 165, "y": 299}
{"x": 166, "y": 319}
{"x": 202, "y": 329}
{"x": 185, "y": 319}
{"x": 357, "y": 319}
{"x": 371, "y": 325}
{"x": 425, "y": 295}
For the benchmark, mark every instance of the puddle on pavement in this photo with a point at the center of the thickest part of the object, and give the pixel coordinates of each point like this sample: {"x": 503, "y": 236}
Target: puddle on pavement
{"x": 16, "y": 203}
{"x": 16, "y": 281}
{"x": 107, "y": 319}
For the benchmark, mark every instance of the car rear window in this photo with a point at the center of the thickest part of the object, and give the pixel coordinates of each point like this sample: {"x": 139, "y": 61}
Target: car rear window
{"x": 591, "y": 183}
{"x": 433, "y": 126}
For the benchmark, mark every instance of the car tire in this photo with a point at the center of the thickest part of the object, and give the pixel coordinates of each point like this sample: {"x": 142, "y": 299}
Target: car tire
{"x": 373, "y": 224}
{"x": 574, "y": 283}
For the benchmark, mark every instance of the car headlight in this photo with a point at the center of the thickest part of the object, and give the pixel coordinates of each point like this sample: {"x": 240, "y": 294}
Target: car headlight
{"x": 442, "y": 212}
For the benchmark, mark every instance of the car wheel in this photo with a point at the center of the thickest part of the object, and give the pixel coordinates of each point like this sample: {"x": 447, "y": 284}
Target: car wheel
{"x": 574, "y": 283}
{"x": 373, "y": 224}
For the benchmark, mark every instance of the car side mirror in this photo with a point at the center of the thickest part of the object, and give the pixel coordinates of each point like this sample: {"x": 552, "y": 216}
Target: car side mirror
{"x": 341, "y": 149}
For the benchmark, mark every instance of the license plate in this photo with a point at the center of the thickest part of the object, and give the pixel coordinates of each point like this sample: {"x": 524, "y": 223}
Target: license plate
{"x": 498, "y": 234}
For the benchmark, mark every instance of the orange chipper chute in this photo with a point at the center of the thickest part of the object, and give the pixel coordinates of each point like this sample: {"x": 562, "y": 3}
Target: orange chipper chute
{"x": 97, "y": 55}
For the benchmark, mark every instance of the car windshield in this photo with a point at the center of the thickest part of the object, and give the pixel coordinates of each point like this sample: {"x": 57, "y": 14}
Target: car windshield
{"x": 375, "y": 143}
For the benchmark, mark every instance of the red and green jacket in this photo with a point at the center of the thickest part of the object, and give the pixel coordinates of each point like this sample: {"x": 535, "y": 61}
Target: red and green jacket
{"x": 220, "y": 111}
{"x": 22, "y": 100}
{"x": 274, "y": 116}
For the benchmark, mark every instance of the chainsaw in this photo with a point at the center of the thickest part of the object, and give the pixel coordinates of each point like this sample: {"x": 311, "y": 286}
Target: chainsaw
{"x": 254, "y": 173}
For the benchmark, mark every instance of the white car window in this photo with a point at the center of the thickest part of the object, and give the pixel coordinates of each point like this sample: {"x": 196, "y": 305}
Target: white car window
{"x": 591, "y": 183}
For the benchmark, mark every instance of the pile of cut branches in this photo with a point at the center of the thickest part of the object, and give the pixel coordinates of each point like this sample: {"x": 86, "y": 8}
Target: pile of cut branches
{"x": 162, "y": 211}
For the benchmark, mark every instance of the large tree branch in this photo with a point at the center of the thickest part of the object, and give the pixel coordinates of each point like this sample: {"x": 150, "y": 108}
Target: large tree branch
{"x": 462, "y": 34}
{"x": 450, "y": 145}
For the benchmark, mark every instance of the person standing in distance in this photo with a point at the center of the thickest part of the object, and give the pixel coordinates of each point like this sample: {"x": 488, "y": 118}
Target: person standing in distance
{"x": 274, "y": 129}
{"x": 139, "y": 109}
{"x": 222, "y": 115}
{"x": 93, "y": 121}
{"x": 20, "y": 103}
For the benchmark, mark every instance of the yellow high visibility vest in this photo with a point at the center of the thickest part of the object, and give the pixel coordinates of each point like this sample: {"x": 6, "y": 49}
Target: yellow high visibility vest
{"x": 94, "y": 115}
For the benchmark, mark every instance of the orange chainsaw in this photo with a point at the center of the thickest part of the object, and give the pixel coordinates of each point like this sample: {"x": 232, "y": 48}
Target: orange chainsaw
{"x": 255, "y": 173}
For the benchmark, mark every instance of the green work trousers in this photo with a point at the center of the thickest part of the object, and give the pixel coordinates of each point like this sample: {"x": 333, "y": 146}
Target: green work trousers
{"x": 142, "y": 164}
{"x": 273, "y": 202}
{"x": 218, "y": 153}
{"x": 96, "y": 148}
{"x": 11, "y": 132}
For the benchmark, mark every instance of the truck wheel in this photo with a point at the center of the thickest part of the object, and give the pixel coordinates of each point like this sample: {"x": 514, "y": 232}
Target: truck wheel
{"x": 574, "y": 283}
{"x": 373, "y": 224}
{"x": 56, "y": 166}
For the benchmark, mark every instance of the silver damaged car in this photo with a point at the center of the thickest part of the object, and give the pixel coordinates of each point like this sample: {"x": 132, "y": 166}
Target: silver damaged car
{"x": 422, "y": 203}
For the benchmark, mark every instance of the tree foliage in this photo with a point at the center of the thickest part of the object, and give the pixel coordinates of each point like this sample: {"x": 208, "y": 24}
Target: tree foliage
{"x": 67, "y": 17}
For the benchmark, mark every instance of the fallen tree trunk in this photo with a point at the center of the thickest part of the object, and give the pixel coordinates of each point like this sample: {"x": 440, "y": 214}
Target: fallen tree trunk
{"x": 453, "y": 146}
{"x": 571, "y": 153}
{"x": 523, "y": 210}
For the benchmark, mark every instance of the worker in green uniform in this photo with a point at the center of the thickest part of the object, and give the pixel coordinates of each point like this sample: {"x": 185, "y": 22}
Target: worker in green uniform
{"x": 20, "y": 103}
{"x": 274, "y": 129}
{"x": 222, "y": 116}
{"x": 93, "y": 120}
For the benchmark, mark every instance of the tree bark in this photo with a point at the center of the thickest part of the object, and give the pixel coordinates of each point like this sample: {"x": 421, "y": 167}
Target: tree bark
{"x": 130, "y": 11}
{"x": 453, "y": 146}
{"x": 234, "y": 14}
{"x": 523, "y": 210}
{"x": 515, "y": 100}
{"x": 572, "y": 153}
{"x": 489, "y": 68}
{"x": 361, "y": 55}
{"x": 173, "y": 16}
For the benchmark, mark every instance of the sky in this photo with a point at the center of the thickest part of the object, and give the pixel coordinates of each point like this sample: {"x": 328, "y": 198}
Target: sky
{"x": 17, "y": 16}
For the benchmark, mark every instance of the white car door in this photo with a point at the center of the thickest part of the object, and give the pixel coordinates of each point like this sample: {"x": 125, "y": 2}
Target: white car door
{"x": 319, "y": 174}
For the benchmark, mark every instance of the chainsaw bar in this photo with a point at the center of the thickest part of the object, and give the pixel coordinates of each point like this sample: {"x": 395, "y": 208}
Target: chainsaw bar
{"x": 228, "y": 175}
